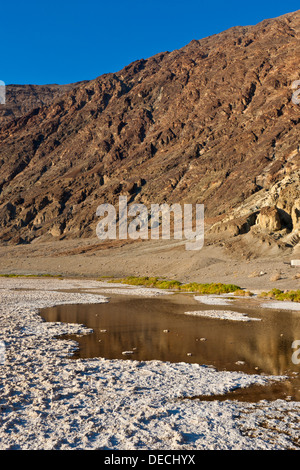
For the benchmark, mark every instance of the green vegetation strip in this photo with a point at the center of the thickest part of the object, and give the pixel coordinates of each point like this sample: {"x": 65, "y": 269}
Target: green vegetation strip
{"x": 291, "y": 295}
{"x": 31, "y": 275}
{"x": 212, "y": 288}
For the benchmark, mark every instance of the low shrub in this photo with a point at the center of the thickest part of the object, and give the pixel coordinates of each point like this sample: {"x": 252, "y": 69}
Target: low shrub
{"x": 206, "y": 288}
{"x": 277, "y": 294}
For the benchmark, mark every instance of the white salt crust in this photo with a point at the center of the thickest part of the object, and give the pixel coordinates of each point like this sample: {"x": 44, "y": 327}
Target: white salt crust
{"x": 50, "y": 401}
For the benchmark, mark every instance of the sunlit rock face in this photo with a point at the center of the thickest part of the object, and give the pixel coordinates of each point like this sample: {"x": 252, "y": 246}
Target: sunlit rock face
{"x": 213, "y": 123}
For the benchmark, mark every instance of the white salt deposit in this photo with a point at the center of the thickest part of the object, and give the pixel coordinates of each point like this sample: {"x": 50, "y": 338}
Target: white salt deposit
{"x": 281, "y": 305}
{"x": 213, "y": 300}
{"x": 50, "y": 401}
{"x": 223, "y": 315}
{"x": 220, "y": 314}
{"x": 131, "y": 290}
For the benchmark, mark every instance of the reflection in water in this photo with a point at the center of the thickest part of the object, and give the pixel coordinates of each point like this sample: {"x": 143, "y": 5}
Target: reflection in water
{"x": 156, "y": 328}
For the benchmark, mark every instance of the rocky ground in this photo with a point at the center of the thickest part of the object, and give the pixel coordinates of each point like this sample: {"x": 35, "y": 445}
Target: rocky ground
{"x": 228, "y": 263}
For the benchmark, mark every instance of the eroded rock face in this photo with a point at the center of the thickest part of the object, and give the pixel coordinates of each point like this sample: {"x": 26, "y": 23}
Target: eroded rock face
{"x": 211, "y": 123}
{"x": 296, "y": 215}
{"x": 235, "y": 226}
{"x": 269, "y": 219}
{"x": 22, "y": 99}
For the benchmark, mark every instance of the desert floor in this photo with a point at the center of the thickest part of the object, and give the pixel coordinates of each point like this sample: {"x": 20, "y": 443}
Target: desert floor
{"x": 242, "y": 262}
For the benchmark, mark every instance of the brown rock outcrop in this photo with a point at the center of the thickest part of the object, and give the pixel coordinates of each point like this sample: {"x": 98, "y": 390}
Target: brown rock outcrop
{"x": 296, "y": 215}
{"x": 269, "y": 219}
{"x": 22, "y": 99}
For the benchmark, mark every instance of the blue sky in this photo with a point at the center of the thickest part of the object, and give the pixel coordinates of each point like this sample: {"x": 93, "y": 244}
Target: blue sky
{"x": 67, "y": 41}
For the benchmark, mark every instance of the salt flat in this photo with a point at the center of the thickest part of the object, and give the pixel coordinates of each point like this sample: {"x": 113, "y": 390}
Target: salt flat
{"x": 50, "y": 401}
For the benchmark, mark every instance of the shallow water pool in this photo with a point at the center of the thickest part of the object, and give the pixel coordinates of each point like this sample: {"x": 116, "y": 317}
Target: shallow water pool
{"x": 157, "y": 328}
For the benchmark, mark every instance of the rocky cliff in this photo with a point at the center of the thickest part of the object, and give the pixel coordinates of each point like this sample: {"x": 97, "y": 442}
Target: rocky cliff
{"x": 211, "y": 123}
{"x": 21, "y": 99}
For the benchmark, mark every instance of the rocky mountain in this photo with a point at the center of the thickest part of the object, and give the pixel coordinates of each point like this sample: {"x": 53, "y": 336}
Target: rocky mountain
{"x": 22, "y": 99}
{"x": 211, "y": 123}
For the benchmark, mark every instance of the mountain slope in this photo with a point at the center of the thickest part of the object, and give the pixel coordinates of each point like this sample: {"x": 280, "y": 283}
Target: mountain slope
{"x": 21, "y": 99}
{"x": 211, "y": 123}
